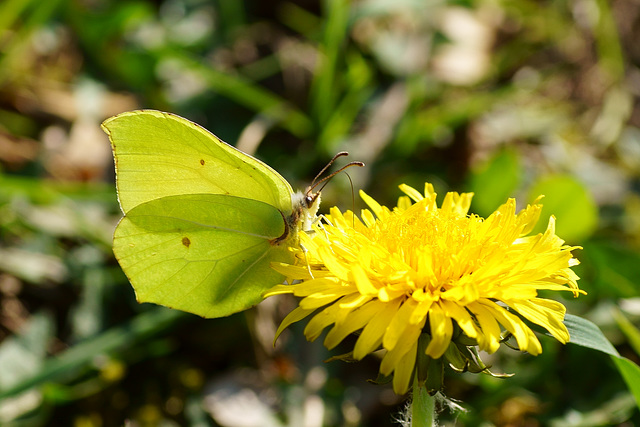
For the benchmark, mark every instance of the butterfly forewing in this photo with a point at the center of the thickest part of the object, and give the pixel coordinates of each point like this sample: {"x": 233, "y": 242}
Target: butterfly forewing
{"x": 160, "y": 154}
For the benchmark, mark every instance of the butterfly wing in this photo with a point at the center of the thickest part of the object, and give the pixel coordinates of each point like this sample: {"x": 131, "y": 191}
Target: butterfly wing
{"x": 203, "y": 221}
{"x": 205, "y": 254}
{"x": 160, "y": 154}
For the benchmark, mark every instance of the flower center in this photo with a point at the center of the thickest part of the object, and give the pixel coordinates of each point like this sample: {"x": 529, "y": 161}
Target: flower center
{"x": 439, "y": 247}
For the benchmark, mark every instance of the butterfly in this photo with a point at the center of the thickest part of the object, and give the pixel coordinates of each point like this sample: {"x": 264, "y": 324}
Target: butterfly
{"x": 203, "y": 221}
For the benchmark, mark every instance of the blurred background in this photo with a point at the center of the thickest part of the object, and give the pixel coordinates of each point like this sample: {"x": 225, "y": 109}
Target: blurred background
{"x": 505, "y": 98}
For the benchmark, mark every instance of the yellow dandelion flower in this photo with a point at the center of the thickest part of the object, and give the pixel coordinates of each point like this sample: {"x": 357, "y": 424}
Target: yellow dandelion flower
{"x": 397, "y": 274}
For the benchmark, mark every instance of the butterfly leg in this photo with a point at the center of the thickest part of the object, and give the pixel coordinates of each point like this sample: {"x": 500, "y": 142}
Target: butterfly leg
{"x": 306, "y": 261}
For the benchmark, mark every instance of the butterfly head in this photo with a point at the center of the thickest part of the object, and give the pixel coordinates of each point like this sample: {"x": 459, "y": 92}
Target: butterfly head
{"x": 306, "y": 205}
{"x": 310, "y": 204}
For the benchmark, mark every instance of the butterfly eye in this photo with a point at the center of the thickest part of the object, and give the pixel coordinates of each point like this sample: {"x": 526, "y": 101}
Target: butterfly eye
{"x": 309, "y": 199}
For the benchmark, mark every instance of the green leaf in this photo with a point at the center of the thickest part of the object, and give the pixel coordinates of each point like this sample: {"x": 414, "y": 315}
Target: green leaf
{"x": 586, "y": 334}
{"x": 570, "y": 202}
{"x": 631, "y": 374}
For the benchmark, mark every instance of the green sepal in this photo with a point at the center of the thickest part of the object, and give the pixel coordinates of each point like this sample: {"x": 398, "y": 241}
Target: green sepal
{"x": 429, "y": 371}
{"x": 435, "y": 376}
{"x": 456, "y": 360}
{"x": 346, "y": 357}
{"x": 381, "y": 379}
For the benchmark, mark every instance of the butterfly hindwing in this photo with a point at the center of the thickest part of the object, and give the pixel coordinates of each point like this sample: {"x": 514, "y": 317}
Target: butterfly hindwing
{"x": 205, "y": 254}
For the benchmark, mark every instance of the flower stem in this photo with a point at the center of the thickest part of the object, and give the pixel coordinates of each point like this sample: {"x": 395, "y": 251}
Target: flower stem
{"x": 422, "y": 406}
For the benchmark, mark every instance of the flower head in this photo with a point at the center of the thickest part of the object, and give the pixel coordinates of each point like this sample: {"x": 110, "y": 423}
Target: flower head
{"x": 419, "y": 268}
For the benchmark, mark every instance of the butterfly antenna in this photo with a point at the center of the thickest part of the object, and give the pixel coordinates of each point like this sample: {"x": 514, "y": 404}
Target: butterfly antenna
{"x": 326, "y": 179}
{"x": 340, "y": 154}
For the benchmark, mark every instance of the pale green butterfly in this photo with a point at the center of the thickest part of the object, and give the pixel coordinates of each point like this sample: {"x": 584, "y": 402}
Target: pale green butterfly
{"x": 202, "y": 221}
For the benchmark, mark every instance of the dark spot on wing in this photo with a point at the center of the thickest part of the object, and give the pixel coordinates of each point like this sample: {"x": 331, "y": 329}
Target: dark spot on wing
{"x": 186, "y": 242}
{"x": 202, "y": 162}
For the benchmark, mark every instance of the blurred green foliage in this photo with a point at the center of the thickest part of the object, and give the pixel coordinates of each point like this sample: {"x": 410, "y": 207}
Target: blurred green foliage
{"x": 503, "y": 98}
